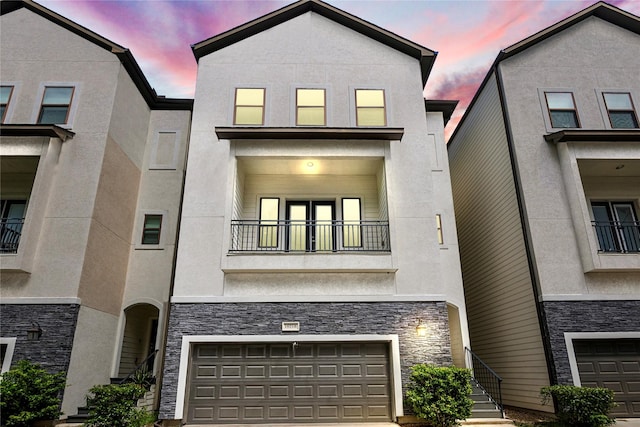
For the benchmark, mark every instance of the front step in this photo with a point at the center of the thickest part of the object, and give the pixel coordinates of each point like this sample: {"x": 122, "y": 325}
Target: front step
{"x": 81, "y": 417}
{"x": 483, "y": 406}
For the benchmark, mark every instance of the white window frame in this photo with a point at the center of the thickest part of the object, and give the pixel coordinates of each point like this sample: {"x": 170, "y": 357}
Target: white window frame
{"x": 8, "y": 355}
{"x": 73, "y": 107}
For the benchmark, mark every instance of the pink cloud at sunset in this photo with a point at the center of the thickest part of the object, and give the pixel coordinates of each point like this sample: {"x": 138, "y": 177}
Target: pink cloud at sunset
{"x": 467, "y": 35}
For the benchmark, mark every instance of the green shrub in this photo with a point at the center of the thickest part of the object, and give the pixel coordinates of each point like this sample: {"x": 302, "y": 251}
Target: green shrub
{"x": 114, "y": 405}
{"x": 581, "y": 406}
{"x": 28, "y": 393}
{"x": 440, "y": 395}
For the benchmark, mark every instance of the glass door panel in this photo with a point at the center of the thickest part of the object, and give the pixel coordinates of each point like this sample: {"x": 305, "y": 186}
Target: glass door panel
{"x": 605, "y": 229}
{"x": 297, "y": 217}
{"x": 323, "y": 226}
{"x": 627, "y": 227}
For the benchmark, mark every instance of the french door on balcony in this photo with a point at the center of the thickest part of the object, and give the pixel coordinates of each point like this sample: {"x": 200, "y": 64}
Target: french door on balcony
{"x": 617, "y": 226}
{"x": 311, "y": 226}
{"x": 11, "y": 220}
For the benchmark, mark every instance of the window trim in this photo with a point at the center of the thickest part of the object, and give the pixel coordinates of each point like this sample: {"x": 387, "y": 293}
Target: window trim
{"x": 139, "y": 232}
{"x": 235, "y": 105}
{"x": 8, "y": 104}
{"x": 297, "y": 107}
{"x": 8, "y": 355}
{"x": 608, "y": 111}
{"x": 357, "y": 108}
{"x": 551, "y": 110}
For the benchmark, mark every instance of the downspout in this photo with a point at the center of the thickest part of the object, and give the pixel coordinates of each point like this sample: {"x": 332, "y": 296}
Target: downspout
{"x": 526, "y": 231}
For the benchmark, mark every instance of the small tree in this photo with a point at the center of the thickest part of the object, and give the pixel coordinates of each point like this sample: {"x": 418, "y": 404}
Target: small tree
{"x": 29, "y": 393}
{"x": 581, "y": 406}
{"x": 114, "y": 405}
{"x": 440, "y": 395}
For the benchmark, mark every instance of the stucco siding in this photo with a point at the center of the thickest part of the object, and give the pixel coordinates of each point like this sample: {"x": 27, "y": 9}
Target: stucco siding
{"x": 504, "y": 329}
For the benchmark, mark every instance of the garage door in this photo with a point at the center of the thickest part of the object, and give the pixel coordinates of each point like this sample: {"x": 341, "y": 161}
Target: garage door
{"x": 614, "y": 364}
{"x": 285, "y": 382}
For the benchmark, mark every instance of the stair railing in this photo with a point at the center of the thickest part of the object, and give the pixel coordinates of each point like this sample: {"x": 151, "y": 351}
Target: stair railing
{"x": 486, "y": 378}
{"x": 142, "y": 366}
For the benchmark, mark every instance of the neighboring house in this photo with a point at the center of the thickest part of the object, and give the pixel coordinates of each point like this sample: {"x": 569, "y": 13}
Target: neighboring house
{"x": 91, "y": 166}
{"x": 545, "y": 169}
{"x": 317, "y": 235}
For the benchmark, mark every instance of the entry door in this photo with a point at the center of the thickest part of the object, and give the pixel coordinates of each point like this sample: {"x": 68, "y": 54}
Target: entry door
{"x": 311, "y": 226}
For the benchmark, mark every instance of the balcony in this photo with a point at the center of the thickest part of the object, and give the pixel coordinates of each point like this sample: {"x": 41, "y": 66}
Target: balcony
{"x": 10, "y": 232}
{"x": 618, "y": 236}
{"x": 291, "y": 236}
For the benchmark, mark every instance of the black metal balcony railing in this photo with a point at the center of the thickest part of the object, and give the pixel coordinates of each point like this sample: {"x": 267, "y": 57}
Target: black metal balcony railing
{"x": 10, "y": 232}
{"x": 309, "y": 236}
{"x": 617, "y": 236}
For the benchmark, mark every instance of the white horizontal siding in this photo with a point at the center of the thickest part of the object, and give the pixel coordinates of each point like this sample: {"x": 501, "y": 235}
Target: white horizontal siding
{"x": 503, "y": 322}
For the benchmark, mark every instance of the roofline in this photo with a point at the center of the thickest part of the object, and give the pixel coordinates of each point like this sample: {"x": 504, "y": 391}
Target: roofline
{"x": 152, "y": 99}
{"x": 594, "y": 135}
{"x": 424, "y": 55}
{"x": 601, "y": 9}
{"x": 25, "y": 130}
{"x": 445, "y": 107}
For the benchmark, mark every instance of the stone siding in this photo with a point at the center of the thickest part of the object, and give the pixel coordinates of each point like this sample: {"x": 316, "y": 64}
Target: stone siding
{"x": 383, "y": 318}
{"x": 58, "y": 324}
{"x": 585, "y": 316}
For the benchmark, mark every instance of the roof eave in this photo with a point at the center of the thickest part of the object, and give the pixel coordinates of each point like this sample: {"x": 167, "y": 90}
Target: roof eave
{"x": 27, "y": 130}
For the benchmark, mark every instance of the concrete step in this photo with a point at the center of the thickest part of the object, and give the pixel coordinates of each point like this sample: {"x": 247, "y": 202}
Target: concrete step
{"x": 487, "y": 422}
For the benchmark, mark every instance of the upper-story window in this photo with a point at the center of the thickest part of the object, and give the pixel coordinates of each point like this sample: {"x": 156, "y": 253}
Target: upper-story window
{"x": 151, "y": 229}
{"x": 616, "y": 226}
{"x": 5, "y": 98}
{"x": 562, "y": 110}
{"x": 56, "y": 104}
{"x": 620, "y": 109}
{"x": 249, "y": 106}
{"x": 311, "y": 107}
{"x": 370, "y": 107}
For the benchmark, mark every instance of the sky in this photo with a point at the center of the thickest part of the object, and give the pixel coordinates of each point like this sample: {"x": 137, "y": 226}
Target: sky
{"x": 467, "y": 35}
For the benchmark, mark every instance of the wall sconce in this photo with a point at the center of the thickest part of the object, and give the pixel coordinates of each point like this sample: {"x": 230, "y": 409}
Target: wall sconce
{"x": 421, "y": 329}
{"x": 34, "y": 332}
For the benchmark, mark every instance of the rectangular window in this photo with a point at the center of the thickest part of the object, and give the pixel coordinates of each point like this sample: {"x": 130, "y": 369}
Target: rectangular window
{"x": 5, "y": 98}
{"x": 617, "y": 227}
{"x": 269, "y": 213}
{"x": 249, "y": 106}
{"x": 151, "y": 229}
{"x": 622, "y": 115}
{"x": 370, "y": 107}
{"x": 351, "y": 216}
{"x": 56, "y": 103}
{"x": 310, "y": 107}
{"x": 562, "y": 110}
{"x": 439, "y": 229}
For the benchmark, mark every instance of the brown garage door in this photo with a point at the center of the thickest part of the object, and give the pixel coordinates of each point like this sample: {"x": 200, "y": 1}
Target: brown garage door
{"x": 285, "y": 382}
{"x": 614, "y": 364}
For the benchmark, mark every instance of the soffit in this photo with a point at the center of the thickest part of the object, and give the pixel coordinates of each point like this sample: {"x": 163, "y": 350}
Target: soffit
{"x": 609, "y": 167}
{"x": 52, "y": 131}
{"x": 300, "y": 166}
{"x": 326, "y": 133}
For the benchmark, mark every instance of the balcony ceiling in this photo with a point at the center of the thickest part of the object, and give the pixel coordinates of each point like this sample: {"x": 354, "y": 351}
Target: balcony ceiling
{"x": 309, "y": 166}
{"x": 18, "y": 164}
{"x": 601, "y": 167}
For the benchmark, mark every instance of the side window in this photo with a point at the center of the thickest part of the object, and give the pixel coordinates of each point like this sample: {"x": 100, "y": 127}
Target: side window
{"x": 351, "y": 216}
{"x": 620, "y": 109}
{"x": 249, "y": 106}
{"x": 5, "y": 98}
{"x": 56, "y": 104}
{"x": 562, "y": 110}
{"x": 269, "y": 211}
{"x": 311, "y": 107}
{"x": 151, "y": 229}
{"x": 370, "y": 107}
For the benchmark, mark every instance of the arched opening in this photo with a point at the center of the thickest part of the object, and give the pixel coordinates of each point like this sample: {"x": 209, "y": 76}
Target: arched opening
{"x": 139, "y": 339}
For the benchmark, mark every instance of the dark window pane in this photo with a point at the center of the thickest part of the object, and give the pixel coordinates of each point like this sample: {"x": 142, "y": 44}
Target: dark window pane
{"x": 53, "y": 115}
{"x": 3, "y": 108}
{"x": 564, "y": 119}
{"x": 151, "y": 231}
{"x": 623, "y": 119}
{"x": 151, "y": 237}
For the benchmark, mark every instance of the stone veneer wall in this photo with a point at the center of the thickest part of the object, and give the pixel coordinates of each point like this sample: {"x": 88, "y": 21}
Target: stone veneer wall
{"x": 382, "y": 318}
{"x": 58, "y": 323}
{"x": 586, "y": 316}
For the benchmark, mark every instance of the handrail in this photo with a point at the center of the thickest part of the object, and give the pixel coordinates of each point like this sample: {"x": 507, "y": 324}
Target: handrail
{"x": 139, "y": 367}
{"x": 487, "y": 379}
{"x": 618, "y": 236}
{"x": 10, "y": 233}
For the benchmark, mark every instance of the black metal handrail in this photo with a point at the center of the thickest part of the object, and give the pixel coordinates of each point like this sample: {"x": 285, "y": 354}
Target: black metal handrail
{"x": 309, "y": 236}
{"x": 618, "y": 236}
{"x": 487, "y": 379}
{"x": 10, "y": 232}
{"x": 146, "y": 366}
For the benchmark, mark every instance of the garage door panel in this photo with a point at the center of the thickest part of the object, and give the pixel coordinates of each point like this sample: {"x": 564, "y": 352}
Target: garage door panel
{"x": 261, "y": 383}
{"x": 614, "y": 364}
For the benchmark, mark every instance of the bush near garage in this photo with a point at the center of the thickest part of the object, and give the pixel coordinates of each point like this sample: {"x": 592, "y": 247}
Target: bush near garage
{"x": 114, "y": 405}
{"x": 29, "y": 393}
{"x": 440, "y": 395}
{"x": 581, "y": 406}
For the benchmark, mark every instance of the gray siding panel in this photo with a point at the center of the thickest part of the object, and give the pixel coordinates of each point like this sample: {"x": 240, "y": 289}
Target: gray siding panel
{"x": 503, "y": 322}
